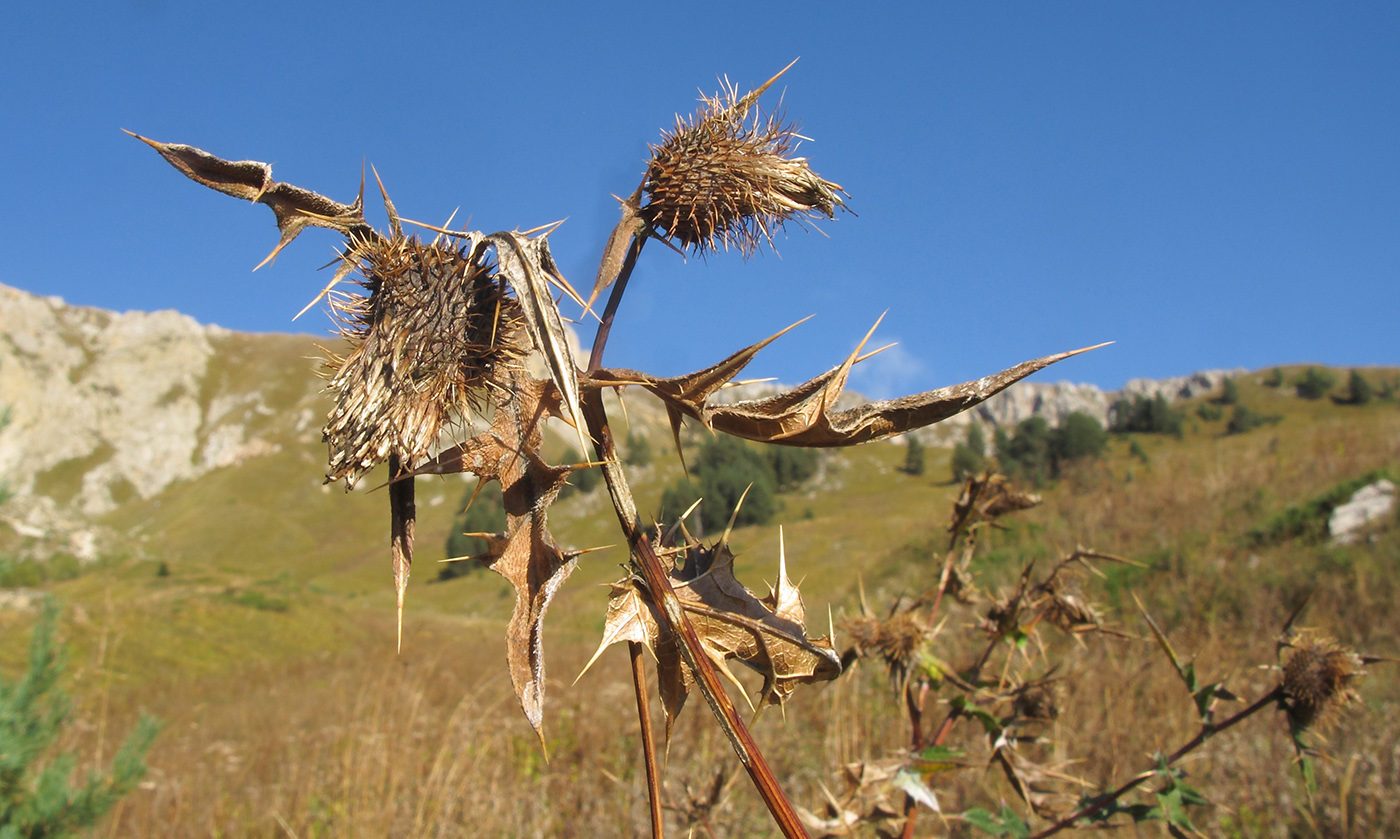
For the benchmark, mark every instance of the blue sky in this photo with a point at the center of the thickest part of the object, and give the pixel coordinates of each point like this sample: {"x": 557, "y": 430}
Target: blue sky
{"x": 1209, "y": 185}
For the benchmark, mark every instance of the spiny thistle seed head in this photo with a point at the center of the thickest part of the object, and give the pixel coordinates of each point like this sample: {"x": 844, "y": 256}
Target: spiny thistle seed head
{"x": 1318, "y": 675}
{"x": 1039, "y": 702}
{"x": 899, "y": 642}
{"x": 435, "y": 334}
{"x": 726, "y": 177}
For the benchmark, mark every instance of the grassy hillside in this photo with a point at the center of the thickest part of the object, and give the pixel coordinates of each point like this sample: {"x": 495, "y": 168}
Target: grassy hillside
{"x": 252, "y": 611}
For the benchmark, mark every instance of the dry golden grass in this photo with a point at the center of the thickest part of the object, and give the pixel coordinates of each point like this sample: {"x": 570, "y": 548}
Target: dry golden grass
{"x": 349, "y": 742}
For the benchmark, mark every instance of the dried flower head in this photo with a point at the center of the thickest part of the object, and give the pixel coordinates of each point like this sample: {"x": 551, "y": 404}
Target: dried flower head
{"x": 1318, "y": 675}
{"x": 899, "y": 642}
{"x": 435, "y": 333}
{"x": 726, "y": 177}
{"x": 1071, "y": 612}
{"x": 1038, "y": 701}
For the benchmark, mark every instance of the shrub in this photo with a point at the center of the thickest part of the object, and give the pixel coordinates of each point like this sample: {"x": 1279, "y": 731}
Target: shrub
{"x": 970, "y": 456}
{"x": 36, "y": 799}
{"x": 1246, "y": 420}
{"x": 1315, "y": 383}
{"x": 1078, "y": 437}
{"x": 1229, "y": 392}
{"x": 638, "y": 450}
{"x": 914, "y": 457}
{"x": 1027, "y": 454}
{"x": 792, "y": 467}
{"x": 1274, "y": 378}
{"x": 1359, "y": 391}
{"x": 725, "y": 468}
{"x": 1145, "y": 416}
{"x": 487, "y": 514}
{"x": 1308, "y": 521}
{"x": 1210, "y": 411}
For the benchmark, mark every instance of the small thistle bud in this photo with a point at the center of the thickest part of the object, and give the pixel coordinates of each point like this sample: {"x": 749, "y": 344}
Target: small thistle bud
{"x": 726, "y": 177}
{"x": 1318, "y": 675}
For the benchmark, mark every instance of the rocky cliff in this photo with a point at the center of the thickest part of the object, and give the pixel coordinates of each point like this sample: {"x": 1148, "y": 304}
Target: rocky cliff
{"x": 106, "y": 407}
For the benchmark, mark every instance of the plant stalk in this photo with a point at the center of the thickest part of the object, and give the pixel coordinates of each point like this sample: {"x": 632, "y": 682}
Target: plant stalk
{"x": 639, "y": 683}
{"x": 671, "y": 616}
{"x": 1204, "y": 734}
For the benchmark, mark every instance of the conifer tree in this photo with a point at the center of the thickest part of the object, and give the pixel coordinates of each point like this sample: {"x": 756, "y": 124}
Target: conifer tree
{"x": 37, "y": 799}
{"x": 914, "y": 457}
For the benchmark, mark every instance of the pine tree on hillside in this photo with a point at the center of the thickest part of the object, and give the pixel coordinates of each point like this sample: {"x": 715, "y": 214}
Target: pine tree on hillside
{"x": 1359, "y": 391}
{"x": 1315, "y": 383}
{"x": 913, "y": 457}
{"x": 36, "y": 798}
{"x": 970, "y": 456}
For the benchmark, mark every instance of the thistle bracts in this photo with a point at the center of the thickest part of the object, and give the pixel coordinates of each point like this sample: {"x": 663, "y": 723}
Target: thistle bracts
{"x": 1318, "y": 676}
{"x": 727, "y": 177}
{"x": 435, "y": 334}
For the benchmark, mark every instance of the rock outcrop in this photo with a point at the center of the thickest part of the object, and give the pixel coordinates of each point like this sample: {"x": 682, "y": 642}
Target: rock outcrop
{"x": 105, "y": 407}
{"x": 1370, "y": 503}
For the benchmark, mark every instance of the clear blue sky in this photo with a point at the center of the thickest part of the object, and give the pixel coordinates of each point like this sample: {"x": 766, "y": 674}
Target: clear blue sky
{"x": 1209, "y": 185}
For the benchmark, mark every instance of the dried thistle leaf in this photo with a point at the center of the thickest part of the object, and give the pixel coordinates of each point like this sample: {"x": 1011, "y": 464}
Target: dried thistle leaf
{"x": 766, "y": 634}
{"x": 528, "y": 266}
{"x": 296, "y": 208}
{"x": 804, "y": 416}
{"x": 526, "y": 555}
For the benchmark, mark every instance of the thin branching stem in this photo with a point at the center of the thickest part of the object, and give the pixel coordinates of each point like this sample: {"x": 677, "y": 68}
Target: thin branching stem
{"x": 639, "y": 684}
{"x": 670, "y": 615}
{"x": 600, "y": 340}
{"x": 1208, "y": 730}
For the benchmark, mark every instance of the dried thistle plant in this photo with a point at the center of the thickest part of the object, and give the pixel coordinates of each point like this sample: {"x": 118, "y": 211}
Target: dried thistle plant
{"x": 441, "y": 331}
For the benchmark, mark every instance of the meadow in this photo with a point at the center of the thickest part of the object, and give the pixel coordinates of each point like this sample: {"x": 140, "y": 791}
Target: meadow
{"x": 258, "y": 623}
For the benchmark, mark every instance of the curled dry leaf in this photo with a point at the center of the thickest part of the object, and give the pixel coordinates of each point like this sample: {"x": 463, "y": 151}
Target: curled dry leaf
{"x": 526, "y": 555}
{"x": 766, "y": 634}
{"x": 805, "y": 415}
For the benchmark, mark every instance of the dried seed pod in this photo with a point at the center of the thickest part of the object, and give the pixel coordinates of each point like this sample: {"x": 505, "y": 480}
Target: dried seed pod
{"x": 1071, "y": 612}
{"x": 1318, "y": 675}
{"x": 726, "y": 177}
{"x": 899, "y": 642}
{"x": 1039, "y": 702}
{"x": 435, "y": 334}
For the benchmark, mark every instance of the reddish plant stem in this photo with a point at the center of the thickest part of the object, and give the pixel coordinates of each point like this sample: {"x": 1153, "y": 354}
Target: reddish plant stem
{"x": 669, "y": 613}
{"x": 915, "y": 706}
{"x": 600, "y": 340}
{"x": 1206, "y": 732}
{"x": 639, "y": 683}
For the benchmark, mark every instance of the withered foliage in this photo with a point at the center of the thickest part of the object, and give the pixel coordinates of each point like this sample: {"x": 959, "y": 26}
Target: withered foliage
{"x": 768, "y": 634}
{"x": 727, "y": 177}
{"x": 435, "y": 381}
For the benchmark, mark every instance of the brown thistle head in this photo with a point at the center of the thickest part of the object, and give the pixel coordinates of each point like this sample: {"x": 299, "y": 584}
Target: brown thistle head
{"x": 1037, "y": 701}
{"x": 434, "y": 335}
{"x": 727, "y": 177}
{"x": 1317, "y": 676}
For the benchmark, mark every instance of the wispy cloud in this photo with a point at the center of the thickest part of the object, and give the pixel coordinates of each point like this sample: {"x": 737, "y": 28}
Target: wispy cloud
{"x": 887, "y": 375}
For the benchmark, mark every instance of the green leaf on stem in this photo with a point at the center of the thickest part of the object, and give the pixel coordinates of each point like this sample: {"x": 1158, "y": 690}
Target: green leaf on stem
{"x": 1005, "y": 823}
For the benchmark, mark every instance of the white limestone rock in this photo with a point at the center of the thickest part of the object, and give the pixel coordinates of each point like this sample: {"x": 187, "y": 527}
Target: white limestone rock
{"x": 1370, "y": 503}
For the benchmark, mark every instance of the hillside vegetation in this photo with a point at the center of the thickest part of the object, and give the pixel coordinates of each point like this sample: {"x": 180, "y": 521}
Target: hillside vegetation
{"x": 251, "y": 610}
